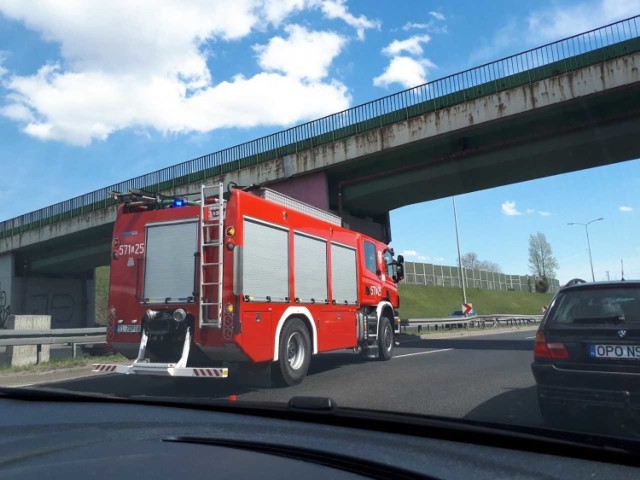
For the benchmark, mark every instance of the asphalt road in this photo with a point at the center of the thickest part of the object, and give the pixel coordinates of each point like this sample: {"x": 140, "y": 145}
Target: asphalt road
{"x": 484, "y": 377}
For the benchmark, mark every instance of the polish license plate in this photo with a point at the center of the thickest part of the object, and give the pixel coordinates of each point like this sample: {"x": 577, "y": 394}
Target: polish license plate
{"x": 128, "y": 328}
{"x": 631, "y": 352}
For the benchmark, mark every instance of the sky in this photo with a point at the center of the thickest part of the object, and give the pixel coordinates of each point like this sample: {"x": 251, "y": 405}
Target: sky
{"x": 93, "y": 93}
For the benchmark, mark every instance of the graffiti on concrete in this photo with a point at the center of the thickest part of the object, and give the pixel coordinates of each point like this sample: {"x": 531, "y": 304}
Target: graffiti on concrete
{"x": 5, "y": 310}
{"x": 60, "y": 306}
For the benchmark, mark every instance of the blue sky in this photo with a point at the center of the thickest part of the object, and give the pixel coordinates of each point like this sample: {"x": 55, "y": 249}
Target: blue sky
{"x": 95, "y": 93}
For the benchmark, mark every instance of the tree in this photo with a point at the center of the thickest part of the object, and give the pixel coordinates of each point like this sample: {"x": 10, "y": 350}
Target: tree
{"x": 542, "y": 263}
{"x": 490, "y": 266}
{"x": 471, "y": 261}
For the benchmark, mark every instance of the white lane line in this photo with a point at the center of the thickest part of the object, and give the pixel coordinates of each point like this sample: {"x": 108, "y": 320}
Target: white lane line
{"x": 422, "y": 353}
{"x": 529, "y": 338}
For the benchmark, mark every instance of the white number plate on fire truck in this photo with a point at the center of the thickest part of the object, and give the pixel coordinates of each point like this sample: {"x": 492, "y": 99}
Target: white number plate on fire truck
{"x": 631, "y": 352}
{"x": 128, "y": 328}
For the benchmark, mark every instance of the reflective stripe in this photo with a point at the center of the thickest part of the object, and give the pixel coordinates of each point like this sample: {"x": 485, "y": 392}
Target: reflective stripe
{"x": 104, "y": 367}
{"x": 168, "y": 369}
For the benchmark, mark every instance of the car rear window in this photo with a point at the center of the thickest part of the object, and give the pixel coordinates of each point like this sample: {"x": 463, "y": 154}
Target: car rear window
{"x": 593, "y": 306}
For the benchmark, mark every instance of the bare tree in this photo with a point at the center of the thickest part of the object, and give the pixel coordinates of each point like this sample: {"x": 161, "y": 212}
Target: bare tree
{"x": 471, "y": 261}
{"x": 542, "y": 263}
{"x": 490, "y": 266}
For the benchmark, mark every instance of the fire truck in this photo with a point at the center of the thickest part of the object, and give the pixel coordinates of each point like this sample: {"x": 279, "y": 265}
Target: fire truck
{"x": 233, "y": 278}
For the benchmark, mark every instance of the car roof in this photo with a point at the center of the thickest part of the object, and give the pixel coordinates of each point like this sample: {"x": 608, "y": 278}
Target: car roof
{"x": 604, "y": 284}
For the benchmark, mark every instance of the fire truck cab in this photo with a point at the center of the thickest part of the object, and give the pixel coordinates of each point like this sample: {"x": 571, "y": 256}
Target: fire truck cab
{"x": 240, "y": 278}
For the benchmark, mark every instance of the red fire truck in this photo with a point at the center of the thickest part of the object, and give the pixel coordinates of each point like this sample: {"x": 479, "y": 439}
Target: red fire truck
{"x": 245, "y": 277}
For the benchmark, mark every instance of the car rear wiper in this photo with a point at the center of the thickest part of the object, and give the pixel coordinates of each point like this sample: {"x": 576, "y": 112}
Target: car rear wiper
{"x": 614, "y": 319}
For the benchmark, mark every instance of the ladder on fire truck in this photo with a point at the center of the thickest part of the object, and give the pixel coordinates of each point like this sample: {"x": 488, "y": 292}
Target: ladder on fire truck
{"x": 212, "y": 213}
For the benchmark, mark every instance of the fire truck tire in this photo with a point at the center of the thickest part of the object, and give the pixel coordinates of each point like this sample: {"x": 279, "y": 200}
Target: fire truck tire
{"x": 385, "y": 341}
{"x": 294, "y": 354}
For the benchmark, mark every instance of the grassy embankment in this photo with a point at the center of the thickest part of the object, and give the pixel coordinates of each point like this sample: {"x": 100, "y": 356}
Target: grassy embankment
{"x": 418, "y": 301}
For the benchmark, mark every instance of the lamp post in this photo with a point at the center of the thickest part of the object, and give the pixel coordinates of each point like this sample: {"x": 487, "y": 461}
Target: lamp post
{"x": 455, "y": 219}
{"x": 586, "y": 230}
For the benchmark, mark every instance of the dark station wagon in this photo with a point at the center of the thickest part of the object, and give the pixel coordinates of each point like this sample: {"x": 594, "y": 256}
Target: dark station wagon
{"x": 587, "y": 350}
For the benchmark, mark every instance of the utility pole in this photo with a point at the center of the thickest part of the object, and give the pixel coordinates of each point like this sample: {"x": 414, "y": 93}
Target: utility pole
{"x": 455, "y": 220}
{"x": 622, "y": 269}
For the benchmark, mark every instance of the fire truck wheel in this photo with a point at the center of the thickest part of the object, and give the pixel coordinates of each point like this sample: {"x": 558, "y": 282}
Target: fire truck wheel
{"x": 295, "y": 352}
{"x": 385, "y": 343}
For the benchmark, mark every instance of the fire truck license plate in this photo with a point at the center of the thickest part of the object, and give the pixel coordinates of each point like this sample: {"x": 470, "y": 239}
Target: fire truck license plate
{"x": 128, "y": 329}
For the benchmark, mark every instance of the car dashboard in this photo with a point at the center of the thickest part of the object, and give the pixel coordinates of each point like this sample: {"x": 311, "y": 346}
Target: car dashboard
{"x": 104, "y": 439}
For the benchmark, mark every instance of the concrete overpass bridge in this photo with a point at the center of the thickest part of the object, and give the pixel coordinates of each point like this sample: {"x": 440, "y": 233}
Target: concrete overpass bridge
{"x": 566, "y": 106}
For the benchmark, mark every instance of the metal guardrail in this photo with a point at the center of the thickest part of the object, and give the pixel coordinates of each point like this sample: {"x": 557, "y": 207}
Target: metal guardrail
{"x": 585, "y": 49}
{"x": 478, "y": 321}
{"x": 67, "y": 336}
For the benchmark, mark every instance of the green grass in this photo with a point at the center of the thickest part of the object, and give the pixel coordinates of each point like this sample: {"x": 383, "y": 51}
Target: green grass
{"x": 102, "y": 294}
{"x": 418, "y": 301}
{"x": 61, "y": 363}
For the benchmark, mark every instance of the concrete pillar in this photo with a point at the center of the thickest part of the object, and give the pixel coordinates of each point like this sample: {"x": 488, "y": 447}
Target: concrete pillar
{"x": 90, "y": 303}
{"x": 21, "y": 355}
{"x": 7, "y": 287}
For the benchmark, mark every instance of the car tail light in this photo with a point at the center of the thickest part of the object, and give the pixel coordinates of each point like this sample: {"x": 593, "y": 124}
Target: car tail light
{"x": 543, "y": 349}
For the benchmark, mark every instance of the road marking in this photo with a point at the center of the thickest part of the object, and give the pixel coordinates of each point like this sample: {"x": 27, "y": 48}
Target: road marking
{"x": 422, "y": 353}
{"x": 529, "y": 338}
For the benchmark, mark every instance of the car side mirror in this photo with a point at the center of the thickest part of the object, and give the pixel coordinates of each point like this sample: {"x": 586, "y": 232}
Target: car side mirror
{"x": 400, "y": 259}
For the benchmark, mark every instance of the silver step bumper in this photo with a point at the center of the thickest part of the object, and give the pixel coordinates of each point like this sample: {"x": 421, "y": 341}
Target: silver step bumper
{"x": 179, "y": 369}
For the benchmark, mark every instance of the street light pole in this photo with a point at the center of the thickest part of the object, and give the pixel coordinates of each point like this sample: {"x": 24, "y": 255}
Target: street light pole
{"x": 455, "y": 220}
{"x": 586, "y": 230}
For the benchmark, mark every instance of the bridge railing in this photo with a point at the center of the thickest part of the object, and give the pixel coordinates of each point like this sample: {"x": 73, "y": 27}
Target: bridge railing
{"x": 579, "y": 51}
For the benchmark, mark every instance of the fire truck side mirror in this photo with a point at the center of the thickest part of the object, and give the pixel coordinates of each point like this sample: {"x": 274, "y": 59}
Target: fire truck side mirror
{"x": 399, "y": 269}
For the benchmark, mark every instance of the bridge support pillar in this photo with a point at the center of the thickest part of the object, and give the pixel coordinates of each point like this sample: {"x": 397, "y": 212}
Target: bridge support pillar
{"x": 69, "y": 300}
{"x": 10, "y": 288}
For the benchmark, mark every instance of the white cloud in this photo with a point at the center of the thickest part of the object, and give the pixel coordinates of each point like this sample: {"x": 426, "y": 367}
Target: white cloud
{"x": 338, "y": 9}
{"x": 437, "y": 15}
{"x": 412, "y": 45}
{"x": 292, "y": 56}
{"x": 625, "y": 208}
{"x": 544, "y": 214}
{"x": 405, "y": 71}
{"x": 509, "y": 208}
{"x": 143, "y": 65}
{"x": 530, "y": 211}
{"x": 415, "y": 26}
{"x": 407, "y": 67}
{"x": 502, "y": 39}
{"x": 413, "y": 254}
{"x": 432, "y": 25}
{"x": 552, "y": 23}
{"x": 78, "y": 108}
{"x": 277, "y": 11}
{"x": 563, "y": 21}
{"x": 3, "y": 58}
